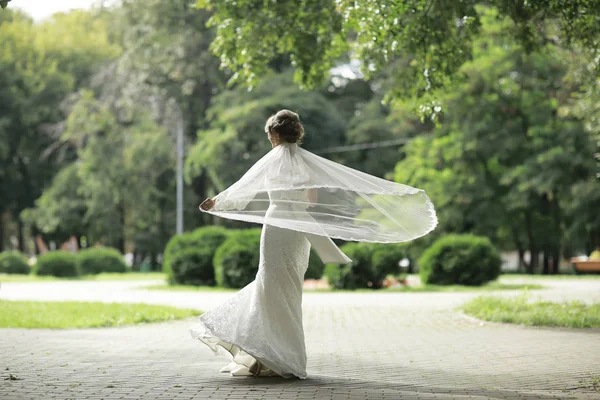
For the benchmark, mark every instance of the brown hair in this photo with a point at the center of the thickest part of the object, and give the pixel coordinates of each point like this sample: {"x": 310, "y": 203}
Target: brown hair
{"x": 287, "y": 125}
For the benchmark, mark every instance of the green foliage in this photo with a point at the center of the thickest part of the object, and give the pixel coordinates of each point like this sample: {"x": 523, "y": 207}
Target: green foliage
{"x": 60, "y": 210}
{"x": 315, "y": 267}
{"x": 31, "y": 86}
{"x": 507, "y": 160}
{"x": 460, "y": 260}
{"x": 57, "y": 263}
{"x": 193, "y": 266}
{"x": 236, "y": 261}
{"x": 41, "y": 64}
{"x": 95, "y": 260}
{"x": 434, "y": 38}
{"x": 78, "y": 314}
{"x": 206, "y": 240}
{"x": 250, "y": 35}
{"x": 13, "y": 262}
{"x": 371, "y": 263}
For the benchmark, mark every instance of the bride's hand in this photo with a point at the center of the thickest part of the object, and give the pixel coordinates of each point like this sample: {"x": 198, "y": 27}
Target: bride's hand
{"x": 207, "y": 204}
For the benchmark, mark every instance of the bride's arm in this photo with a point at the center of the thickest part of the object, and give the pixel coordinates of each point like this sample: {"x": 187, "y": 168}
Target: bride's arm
{"x": 207, "y": 204}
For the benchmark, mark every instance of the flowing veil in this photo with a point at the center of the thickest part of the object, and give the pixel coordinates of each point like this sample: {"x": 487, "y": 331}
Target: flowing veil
{"x": 304, "y": 192}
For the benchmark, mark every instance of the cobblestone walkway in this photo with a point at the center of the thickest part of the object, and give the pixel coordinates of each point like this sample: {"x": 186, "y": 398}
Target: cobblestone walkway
{"x": 360, "y": 346}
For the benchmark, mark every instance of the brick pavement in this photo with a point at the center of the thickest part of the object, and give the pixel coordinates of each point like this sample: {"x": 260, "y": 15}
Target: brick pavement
{"x": 360, "y": 346}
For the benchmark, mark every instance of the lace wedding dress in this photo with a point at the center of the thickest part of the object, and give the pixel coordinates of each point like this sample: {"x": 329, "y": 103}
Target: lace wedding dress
{"x": 261, "y": 326}
{"x": 302, "y": 200}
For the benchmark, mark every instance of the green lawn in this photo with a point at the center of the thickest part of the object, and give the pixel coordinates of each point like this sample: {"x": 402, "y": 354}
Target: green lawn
{"x": 73, "y": 314}
{"x": 491, "y": 287}
{"x": 494, "y": 286}
{"x": 128, "y": 276}
{"x": 550, "y": 277}
{"x": 188, "y": 288}
{"x": 520, "y": 310}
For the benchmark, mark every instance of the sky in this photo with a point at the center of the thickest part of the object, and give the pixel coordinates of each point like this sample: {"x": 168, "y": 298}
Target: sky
{"x": 40, "y": 9}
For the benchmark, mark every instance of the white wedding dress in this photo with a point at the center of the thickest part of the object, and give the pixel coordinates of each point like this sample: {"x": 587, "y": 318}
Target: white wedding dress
{"x": 263, "y": 321}
{"x": 302, "y": 200}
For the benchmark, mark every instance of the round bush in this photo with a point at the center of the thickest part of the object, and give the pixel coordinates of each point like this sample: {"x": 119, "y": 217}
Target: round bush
{"x": 100, "y": 259}
{"x": 13, "y": 262}
{"x": 371, "y": 263}
{"x": 57, "y": 263}
{"x": 236, "y": 260}
{"x": 460, "y": 260}
{"x": 193, "y": 267}
{"x": 385, "y": 258}
{"x": 207, "y": 238}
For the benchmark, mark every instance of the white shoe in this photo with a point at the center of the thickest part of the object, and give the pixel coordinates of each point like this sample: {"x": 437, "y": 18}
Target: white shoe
{"x": 240, "y": 370}
{"x": 228, "y": 367}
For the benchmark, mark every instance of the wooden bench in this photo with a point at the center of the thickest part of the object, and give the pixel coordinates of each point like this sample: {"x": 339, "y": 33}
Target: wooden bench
{"x": 585, "y": 267}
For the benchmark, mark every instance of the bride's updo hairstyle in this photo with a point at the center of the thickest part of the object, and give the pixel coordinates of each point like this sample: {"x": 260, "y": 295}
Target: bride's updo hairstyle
{"x": 287, "y": 125}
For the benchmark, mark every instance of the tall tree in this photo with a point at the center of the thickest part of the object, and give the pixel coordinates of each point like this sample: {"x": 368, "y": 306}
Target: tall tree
{"x": 434, "y": 37}
{"x": 31, "y": 85}
{"x": 504, "y": 161}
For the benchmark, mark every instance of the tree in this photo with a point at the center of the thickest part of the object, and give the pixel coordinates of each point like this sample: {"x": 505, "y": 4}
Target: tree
{"x": 126, "y": 174}
{"x": 60, "y": 212}
{"x": 434, "y": 37}
{"x": 167, "y": 55}
{"x": 37, "y": 72}
{"x": 505, "y": 162}
{"x": 31, "y": 85}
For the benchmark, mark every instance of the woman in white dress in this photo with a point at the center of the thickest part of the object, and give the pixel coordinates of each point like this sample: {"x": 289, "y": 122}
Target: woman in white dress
{"x": 301, "y": 200}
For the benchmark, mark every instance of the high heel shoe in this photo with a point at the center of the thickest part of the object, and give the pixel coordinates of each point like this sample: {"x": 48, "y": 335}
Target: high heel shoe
{"x": 258, "y": 369}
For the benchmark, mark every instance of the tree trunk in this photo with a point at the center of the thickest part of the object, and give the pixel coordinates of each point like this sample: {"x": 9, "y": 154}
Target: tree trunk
{"x": 135, "y": 265}
{"x": 121, "y": 241}
{"x": 520, "y": 249}
{"x": 521, "y": 265}
{"x": 533, "y": 250}
{"x": 153, "y": 261}
{"x": 1, "y": 232}
{"x": 34, "y": 234}
{"x": 556, "y": 261}
{"x": 546, "y": 263}
{"x": 20, "y": 235}
{"x": 556, "y": 214}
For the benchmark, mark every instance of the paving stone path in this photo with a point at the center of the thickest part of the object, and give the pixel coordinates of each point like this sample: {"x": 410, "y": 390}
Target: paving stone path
{"x": 360, "y": 346}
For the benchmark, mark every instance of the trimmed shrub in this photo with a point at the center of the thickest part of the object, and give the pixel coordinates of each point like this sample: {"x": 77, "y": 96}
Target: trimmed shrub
{"x": 57, "y": 263}
{"x": 193, "y": 267}
{"x": 315, "y": 267}
{"x": 460, "y": 260}
{"x": 236, "y": 260}
{"x": 13, "y": 262}
{"x": 207, "y": 238}
{"x": 100, "y": 259}
{"x": 371, "y": 263}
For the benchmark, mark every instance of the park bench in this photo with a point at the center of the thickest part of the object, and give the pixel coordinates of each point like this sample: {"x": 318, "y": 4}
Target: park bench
{"x": 585, "y": 266}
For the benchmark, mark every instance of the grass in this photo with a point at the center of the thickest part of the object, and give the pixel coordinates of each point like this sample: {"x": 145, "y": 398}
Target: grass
{"x": 189, "y": 288}
{"x": 490, "y": 287}
{"x": 128, "y": 276}
{"x": 521, "y": 310}
{"x": 494, "y": 286}
{"x": 73, "y": 314}
{"x": 551, "y": 277}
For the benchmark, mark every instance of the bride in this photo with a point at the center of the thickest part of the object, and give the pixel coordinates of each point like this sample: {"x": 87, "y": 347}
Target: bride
{"x": 302, "y": 200}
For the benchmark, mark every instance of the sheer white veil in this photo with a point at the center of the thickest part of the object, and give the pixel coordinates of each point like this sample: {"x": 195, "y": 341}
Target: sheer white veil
{"x": 295, "y": 189}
